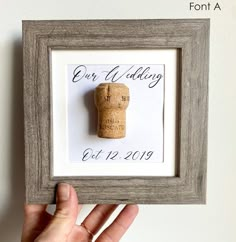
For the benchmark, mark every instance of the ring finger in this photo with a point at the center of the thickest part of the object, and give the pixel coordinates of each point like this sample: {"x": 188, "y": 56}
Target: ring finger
{"x": 119, "y": 226}
{"x": 97, "y": 217}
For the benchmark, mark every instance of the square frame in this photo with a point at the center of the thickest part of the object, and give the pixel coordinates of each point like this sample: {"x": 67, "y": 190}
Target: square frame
{"x": 189, "y": 36}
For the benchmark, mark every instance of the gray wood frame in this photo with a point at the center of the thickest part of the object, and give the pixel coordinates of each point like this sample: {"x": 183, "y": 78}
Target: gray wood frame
{"x": 189, "y": 36}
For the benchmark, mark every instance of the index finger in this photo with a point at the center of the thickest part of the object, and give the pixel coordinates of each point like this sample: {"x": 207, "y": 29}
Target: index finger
{"x": 36, "y": 219}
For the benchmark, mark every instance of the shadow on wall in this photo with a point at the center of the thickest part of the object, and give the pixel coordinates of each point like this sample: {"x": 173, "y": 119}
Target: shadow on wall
{"x": 12, "y": 219}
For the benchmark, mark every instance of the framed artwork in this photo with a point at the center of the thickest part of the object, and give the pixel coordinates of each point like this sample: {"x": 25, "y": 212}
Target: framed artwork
{"x": 162, "y": 154}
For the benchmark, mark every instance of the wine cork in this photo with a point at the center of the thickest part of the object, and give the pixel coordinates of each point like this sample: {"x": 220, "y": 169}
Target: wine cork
{"x": 112, "y": 100}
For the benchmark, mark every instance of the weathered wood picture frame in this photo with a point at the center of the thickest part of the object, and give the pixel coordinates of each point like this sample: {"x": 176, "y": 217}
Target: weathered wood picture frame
{"x": 190, "y": 37}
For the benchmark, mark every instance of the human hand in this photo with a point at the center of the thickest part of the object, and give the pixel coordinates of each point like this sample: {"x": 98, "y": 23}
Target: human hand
{"x": 40, "y": 226}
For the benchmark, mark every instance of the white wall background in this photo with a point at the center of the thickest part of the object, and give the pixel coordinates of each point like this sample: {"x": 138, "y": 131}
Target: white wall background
{"x": 214, "y": 222}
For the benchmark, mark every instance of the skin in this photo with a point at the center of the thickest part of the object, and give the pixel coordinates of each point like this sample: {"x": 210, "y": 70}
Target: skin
{"x": 40, "y": 226}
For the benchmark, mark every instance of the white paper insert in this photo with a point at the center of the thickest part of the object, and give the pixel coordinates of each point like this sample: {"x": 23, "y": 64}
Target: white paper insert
{"x": 144, "y": 137}
{"x": 67, "y": 162}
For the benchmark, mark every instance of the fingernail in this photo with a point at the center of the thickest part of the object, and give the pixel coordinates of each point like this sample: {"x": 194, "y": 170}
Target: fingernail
{"x": 63, "y": 192}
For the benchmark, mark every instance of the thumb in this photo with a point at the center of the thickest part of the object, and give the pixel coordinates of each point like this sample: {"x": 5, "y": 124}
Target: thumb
{"x": 65, "y": 215}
